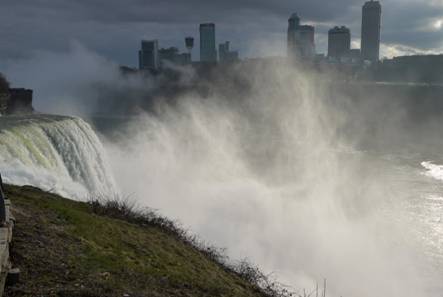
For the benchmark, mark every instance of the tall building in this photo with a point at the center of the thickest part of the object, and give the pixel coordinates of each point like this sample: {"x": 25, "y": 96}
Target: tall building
{"x": 301, "y": 42}
{"x": 339, "y": 43}
{"x": 307, "y": 41}
{"x": 225, "y": 54}
{"x": 148, "y": 57}
{"x": 293, "y": 25}
{"x": 370, "y": 31}
{"x": 208, "y": 51}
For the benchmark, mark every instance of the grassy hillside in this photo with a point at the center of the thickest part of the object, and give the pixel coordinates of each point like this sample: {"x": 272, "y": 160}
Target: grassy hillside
{"x": 64, "y": 248}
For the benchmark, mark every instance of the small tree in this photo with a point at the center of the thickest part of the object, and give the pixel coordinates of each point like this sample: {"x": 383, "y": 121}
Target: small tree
{"x": 4, "y": 84}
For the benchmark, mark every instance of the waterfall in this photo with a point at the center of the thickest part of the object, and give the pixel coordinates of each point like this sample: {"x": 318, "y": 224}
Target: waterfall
{"x": 55, "y": 153}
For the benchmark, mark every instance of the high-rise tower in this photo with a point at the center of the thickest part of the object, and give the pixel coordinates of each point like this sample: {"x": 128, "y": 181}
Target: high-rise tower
{"x": 300, "y": 39}
{"x": 293, "y": 25}
{"x": 148, "y": 56}
{"x": 370, "y": 31}
{"x": 208, "y": 51}
{"x": 339, "y": 43}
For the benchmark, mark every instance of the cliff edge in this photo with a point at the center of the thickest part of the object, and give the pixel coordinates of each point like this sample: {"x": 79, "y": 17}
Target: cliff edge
{"x": 64, "y": 248}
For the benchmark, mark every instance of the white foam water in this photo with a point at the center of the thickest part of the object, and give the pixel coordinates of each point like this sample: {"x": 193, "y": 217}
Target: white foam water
{"x": 59, "y": 154}
{"x": 433, "y": 170}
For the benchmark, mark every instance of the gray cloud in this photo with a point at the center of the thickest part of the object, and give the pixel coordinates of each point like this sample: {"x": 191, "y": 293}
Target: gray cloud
{"x": 114, "y": 27}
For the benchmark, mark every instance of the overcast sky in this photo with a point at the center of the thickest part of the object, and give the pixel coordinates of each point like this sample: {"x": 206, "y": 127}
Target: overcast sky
{"x": 114, "y": 28}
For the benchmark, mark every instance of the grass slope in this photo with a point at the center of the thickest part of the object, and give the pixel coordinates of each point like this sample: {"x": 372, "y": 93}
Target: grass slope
{"x": 64, "y": 249}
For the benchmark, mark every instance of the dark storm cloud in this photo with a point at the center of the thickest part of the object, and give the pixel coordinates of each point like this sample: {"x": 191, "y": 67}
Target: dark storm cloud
{"x": 114, "y": 27}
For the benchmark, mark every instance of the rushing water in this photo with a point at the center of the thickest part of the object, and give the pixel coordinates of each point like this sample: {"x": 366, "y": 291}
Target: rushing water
{"x": 55, "y": 153}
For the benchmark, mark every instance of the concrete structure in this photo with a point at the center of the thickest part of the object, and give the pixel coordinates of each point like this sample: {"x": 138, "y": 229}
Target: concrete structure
{"x": 208, "y": 51}
{"x": 307, "y": 41}
{"x": 148, "y": 56}
{"x": 355, "y": 55}
{"x": 293, "y": 25}
{"x": 189, "y": 42}
{"x": 301, "y": 39}
{"x": 173, "y": 56}
{"x": 339, "y": 43}
{"x": 168, "y": 55}
{"x": 370, "y": 31}
{"x": 226, "y": 55}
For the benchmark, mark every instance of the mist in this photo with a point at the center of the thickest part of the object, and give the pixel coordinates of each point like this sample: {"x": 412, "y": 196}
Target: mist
{"x": 267, "y": 178}
{"x": 307, "y": 179}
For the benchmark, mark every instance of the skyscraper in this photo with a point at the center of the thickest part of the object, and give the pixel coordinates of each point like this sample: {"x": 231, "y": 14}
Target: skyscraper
{"x": 300, "y": 39}
{"x": 370, "y": 31}
{"x": 293, "y": 25}
{"x": 148, "y": 58}
{"x": 339, "y": 43}
{"x": 208, "y": 51}
{"x": 306, "y": 41}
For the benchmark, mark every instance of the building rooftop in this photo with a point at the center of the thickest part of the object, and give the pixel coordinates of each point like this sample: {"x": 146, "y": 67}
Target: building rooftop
{"x": 372, "y": 4}
{"x": 307, "y": 28}
{"x": 338, "y": 29}
{"x": 294, "y": 16}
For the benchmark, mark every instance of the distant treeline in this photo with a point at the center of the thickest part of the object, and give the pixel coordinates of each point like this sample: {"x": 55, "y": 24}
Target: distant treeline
{"x": 419, "y": 68}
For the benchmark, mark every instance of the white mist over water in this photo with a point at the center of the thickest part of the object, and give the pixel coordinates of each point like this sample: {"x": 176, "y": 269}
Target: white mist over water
{"x": 58, "y": 154}
{"x": 433, "y": 170}
{"x": 268, "y": 178}
{"x": 267, "y": 174}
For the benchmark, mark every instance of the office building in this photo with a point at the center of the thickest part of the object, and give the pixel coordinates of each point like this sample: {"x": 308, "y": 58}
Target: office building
{"x": 370, "y": 31}
{"x": 225, "y": 53}
{"x": 294, "y": 24}
{"x": 300, "y": 39}
{"x": 339, "y": 43}
{"x": 148, "y": 56}
{"x": 173, "y": 56}
{"x": 355, "y": 55}
{"x": 208, "y": 51}
{"x": 306, "y": 41}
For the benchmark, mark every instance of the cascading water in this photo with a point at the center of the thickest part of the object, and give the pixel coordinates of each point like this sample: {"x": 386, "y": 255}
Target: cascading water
{"x": 60, "y": 154}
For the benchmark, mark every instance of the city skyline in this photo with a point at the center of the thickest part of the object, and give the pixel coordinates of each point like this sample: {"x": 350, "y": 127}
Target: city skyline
{"x": 256, "y": 30}
{"x": 300, "y": 43}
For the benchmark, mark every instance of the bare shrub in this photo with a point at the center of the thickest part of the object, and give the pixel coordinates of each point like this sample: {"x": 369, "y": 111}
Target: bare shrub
{"x": 123, "y": 208}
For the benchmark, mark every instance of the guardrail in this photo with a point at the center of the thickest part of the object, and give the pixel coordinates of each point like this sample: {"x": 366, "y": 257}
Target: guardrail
{"x": 6, "y": 226}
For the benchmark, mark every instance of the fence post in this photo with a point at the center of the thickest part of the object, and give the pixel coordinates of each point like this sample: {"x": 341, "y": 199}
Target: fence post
{"x": 2, "y": 203}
